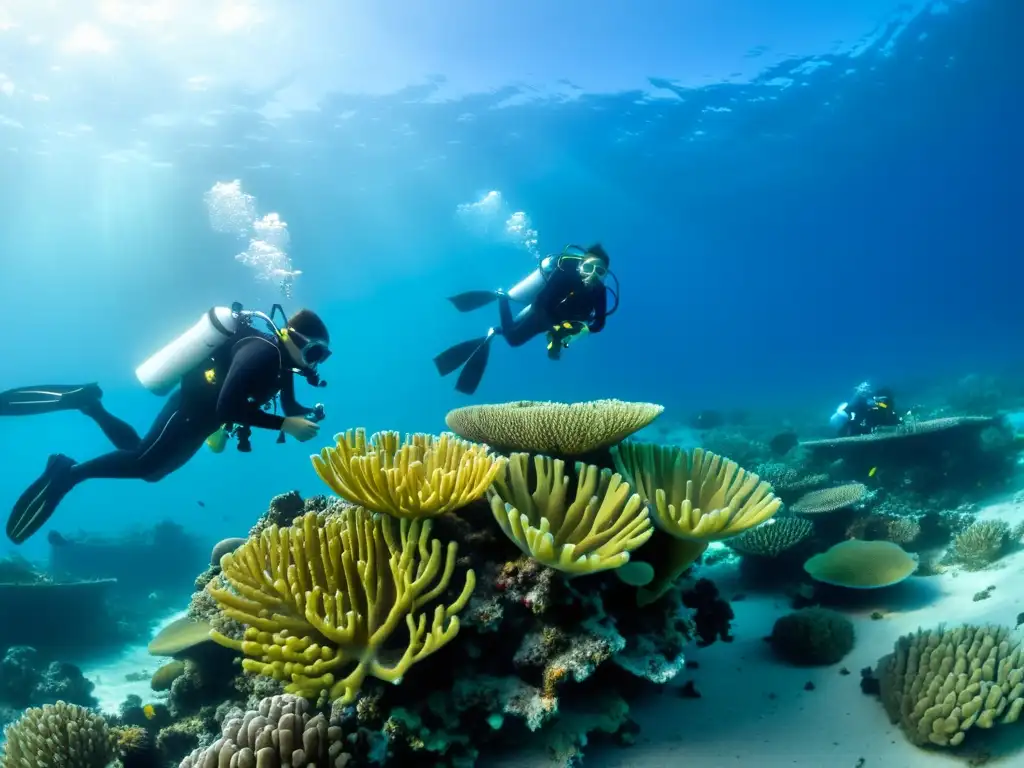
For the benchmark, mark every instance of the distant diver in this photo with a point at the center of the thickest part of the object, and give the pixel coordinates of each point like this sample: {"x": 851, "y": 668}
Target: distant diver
{"x": 224, "y": 375}
{"x": 565, "y": 297}
{"x": 867, "y": 411}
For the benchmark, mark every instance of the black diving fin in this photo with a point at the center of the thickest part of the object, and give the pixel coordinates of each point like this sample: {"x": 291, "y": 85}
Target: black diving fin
{"x": 470, "y": 300}
{"x": 48, "y": 398}
{"x": 473, "y": 370}
{"x": 38, "y": 503}
{"x": 455, "y": 357}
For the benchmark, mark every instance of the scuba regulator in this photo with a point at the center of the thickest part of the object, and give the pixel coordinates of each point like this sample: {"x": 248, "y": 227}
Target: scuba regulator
{"x": 243, "y": 434}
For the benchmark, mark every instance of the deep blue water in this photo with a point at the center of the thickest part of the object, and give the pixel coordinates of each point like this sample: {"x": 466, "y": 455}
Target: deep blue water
{"x": 785, "y": 221}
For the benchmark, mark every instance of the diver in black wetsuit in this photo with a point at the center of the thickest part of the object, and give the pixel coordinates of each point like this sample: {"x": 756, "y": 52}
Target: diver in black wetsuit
{"x": 565, "y": 297}
{"x": 230, "y": 387}
{"x": 867, "y": 411}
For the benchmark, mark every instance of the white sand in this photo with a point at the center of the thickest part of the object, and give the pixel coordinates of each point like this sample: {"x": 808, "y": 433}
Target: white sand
{"x": 112, "y": 674}
{"x": 737, "y": 723}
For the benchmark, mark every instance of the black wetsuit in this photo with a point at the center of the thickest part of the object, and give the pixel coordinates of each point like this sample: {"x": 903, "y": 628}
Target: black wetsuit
{"x": 869, "y": 412}
{"x": 247, "y": 372}
{"x": 565, "y": 298}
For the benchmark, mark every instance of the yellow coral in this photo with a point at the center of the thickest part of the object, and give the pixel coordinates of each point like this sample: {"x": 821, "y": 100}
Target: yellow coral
{"x": 938, "y": 684}
{"x": 698, "y": 496}
{"x": 559, "y": 429}
{"x": 595, "y": 532}
{"x": 421, "y": 476}
{"x": 322, "y": 596}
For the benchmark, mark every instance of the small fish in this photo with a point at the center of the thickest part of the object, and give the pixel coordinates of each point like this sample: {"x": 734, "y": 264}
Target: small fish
{"x": 871, "y": 472}
{"x": 149, "y": 711}
{"x": 883, "y": 405}
{"x": 201, "y": 503}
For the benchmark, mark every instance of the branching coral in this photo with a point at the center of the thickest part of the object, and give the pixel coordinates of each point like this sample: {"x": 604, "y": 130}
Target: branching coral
{"x": 939, "y": 684}
{"x": 323, "y": 595}
{"x": 980, "y": 545}
{"x": 597, "y": 531}
{"x": 698, "y": 496}
{"x": 58, "y": 736}
{"x": 421, "y": 476}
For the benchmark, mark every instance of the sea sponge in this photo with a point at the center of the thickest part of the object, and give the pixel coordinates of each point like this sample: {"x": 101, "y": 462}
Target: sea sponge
{"x": 58, "y": 736}
{"x": 325, "y": 595}
{"x": 812, "y": 637}
{"x": 596, "y": 532}
{"x": 420, "y": 476}
{"x": 980, "y": 545}
{"x": 830, "y": 499}
{"x": 938, "y": 684}
{"x": 773, "y": 537}
{"x": 858, "y": 564}
{"x": 281, "y": 732}
{"x": 557, "y": 429}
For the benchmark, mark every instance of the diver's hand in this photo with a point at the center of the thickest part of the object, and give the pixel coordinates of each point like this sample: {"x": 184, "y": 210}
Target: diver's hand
{"x": 299, "y": 428}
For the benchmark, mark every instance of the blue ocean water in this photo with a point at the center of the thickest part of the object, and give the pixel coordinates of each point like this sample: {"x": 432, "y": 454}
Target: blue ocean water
{"x": 796, "y": 196}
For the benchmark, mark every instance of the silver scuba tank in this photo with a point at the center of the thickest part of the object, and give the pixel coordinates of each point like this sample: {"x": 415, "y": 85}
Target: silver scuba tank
{"x": 526, "y": 290}
{"x": 162, "y": 372}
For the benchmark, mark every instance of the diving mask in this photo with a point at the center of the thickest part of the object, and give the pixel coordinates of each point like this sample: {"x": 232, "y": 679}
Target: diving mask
{"x": 313, "y": 351}
{"x": 589, "y": 266}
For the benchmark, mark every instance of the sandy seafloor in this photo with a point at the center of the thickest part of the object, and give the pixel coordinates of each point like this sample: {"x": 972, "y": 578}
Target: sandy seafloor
{"x": 754, "y": 710}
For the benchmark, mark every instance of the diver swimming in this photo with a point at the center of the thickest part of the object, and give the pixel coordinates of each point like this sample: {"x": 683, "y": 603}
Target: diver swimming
{"x": 222, "y": 375}
{"x": 565, "y": 297}
{"x": 867, "y": 411}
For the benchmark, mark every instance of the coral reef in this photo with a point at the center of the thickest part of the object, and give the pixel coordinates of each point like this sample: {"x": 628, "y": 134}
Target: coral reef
{"x": 980, "y": 545}
{"x": 939, "y": 684}
{"x": 58, "y": 736}
{"x": 812, "y": 637}
{"x": 26, "y": 680}
{"x": 280, "y": 732}
{"x": 772, "y": 538}
{"x": 556, "y": 429}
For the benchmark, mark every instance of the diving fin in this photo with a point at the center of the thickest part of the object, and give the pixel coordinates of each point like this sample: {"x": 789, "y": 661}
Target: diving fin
{"x": 39, "y": 502}
{"x": 470, "y": 300}
{"x": 455, "y": 357}
{"x": 48, "y": 398}
{"x": 473, "y": 370}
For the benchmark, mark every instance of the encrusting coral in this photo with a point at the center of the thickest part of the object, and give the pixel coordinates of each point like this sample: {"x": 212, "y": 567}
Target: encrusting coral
{"x": 420, "y": 476}
{"x": 327, "y": 594}
{"x": 555, "y": 429}
{"x": 595, "y": 532}
{"x": 58, "y": 736}
{"x": 938, "y": 684}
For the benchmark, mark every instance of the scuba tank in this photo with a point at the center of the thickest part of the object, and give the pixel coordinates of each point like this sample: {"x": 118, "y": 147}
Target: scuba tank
{"x": 162, "y": 372}
{"x": 526, "y": 290}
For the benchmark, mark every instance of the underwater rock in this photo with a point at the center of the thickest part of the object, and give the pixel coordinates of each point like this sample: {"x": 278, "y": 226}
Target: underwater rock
{"x": 26, "y": 680}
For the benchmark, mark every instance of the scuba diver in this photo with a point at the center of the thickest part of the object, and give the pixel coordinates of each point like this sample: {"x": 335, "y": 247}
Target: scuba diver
{"x": 565, "y": 297}
{"x": 224, "y": 375}
{"x": 868, "y": 410}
